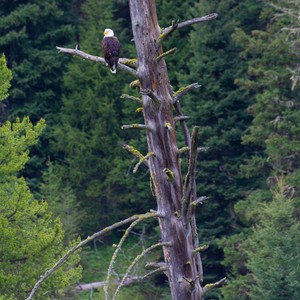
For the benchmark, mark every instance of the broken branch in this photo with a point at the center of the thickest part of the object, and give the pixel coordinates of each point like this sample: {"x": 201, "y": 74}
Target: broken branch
{"x": 144, "y": 158}
{"x": 134, "y": 152}
{"x": 182, "y": 91}
{"x": 214, "y": 285}
{"x": 135, "y": 99}
{"x": 181, "y": 118}
{"x": 135, "y": 126}
{"x": 166, "y": 53}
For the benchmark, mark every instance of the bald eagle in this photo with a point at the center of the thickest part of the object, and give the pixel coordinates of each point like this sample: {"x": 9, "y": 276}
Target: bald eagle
{"x": 111, "y": 49}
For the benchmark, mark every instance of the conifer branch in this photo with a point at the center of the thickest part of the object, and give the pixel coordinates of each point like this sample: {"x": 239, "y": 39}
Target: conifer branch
{"x": 165, "y": 54}
{"x": 189, "y": 184}
{"x": 135, "y": 99}
{"x": 184, "y": 90}
{"x": 195, "y": 239}
{"x": 87, "y": 56}
{"x": 135, "y": 262}
{"x": 65, "y": 257}
{"x": 210, "y": 286}
{"x": 135, "y": 126}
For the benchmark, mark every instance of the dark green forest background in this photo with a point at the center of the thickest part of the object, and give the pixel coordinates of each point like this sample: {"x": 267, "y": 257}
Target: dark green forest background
{"x": 248, "y": 64}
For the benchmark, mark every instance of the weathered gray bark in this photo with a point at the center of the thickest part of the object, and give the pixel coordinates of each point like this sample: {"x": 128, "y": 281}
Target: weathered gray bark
{"x": 165, "y": 170}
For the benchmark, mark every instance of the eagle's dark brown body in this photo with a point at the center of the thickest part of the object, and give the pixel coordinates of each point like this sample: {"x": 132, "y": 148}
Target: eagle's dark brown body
{"x": 111, "y": 50}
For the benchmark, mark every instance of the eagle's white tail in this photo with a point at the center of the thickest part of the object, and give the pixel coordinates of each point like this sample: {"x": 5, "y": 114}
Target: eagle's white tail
{"x": 114, "y": 69}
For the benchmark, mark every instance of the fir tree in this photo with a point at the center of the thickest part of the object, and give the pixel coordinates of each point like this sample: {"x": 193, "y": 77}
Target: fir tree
{"x": 29, "y": 32}
{"x": 30, "y": 239}
{"x": 270, "y": 56}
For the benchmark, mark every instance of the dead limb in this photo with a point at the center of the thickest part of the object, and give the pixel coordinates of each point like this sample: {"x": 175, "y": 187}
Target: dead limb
{"x": 134, "y": 152}
{"x": 135, "y": 99}
{"x": 135, "y": 262}
{"x": 100, "y": 284}
{"x": 189, "y": 184}
{"x": 184, "y": 90}
{"x": 135, "y": 126}
{"x": 65, "y": 257}
{"x": 87, "y": 56}
{"x": 175, "y": 25}
{"x": 144, "y": 158}
{"x": 166, "y": 53}
{"x": 210, "y": 286}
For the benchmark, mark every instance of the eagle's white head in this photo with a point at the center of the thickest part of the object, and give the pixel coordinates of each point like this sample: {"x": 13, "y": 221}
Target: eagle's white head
{"x": 108, "y": 32}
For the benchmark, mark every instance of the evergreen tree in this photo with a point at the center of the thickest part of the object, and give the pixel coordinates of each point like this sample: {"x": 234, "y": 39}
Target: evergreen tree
{"x": 274, "y": 132}
{"x": 29, "y": 32}
{"x": 266, "y": 255}
{"x": 273, "y": 249}
{"x": 30, "y": 240}
{"x": 61, "y": 200}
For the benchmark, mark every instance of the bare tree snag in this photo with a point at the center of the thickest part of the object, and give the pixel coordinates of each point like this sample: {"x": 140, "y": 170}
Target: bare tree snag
{"x": 183, "y": 268}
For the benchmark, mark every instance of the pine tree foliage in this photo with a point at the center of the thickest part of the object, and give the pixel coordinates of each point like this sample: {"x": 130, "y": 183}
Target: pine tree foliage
{"x": 5, "y": 78}
{"x": 273, "y": 249}
{"x": 61, "y": 200}
{"x": 264, "y": 271}
{"x": 269, "y": 251}
{"x": 29, "y": 32}
{"x": 30, "y": 239}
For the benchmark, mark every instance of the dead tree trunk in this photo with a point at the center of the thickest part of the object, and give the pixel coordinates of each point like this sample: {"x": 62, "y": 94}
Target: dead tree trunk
{"x": 164, "y": 165}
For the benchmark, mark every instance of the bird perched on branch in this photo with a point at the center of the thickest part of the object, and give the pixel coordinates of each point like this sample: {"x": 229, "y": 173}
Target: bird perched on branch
{"x": 111, "y": 49}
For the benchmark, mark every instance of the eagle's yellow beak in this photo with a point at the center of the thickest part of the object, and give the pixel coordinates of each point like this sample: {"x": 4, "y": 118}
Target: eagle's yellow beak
{"x": 105, "y": 33}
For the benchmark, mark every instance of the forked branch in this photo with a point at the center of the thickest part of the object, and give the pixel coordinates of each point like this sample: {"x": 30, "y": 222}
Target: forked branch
{"x": 65, "y": 257}
{"x": 134, "y": 152}
{"x": 135, "y": 262}
{"x": 118, "y": 248}
{"x": 121, "y": 65}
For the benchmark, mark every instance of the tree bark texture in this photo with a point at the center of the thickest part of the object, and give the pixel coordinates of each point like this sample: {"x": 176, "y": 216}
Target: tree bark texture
{"x": 165, "y": 170}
